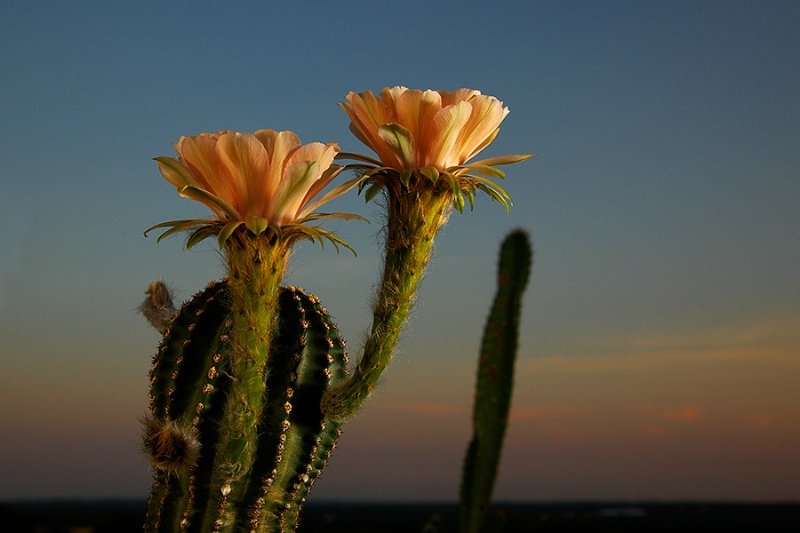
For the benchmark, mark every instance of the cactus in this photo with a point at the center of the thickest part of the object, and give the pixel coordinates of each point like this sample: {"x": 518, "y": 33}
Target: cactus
{"x": 191, "y": 386}
{"x": 249, "y": 386}
{"x": 494, "y": 386}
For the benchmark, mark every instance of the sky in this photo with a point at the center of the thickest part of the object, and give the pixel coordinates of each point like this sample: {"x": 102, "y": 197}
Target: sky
{"x": 660, "y": 347}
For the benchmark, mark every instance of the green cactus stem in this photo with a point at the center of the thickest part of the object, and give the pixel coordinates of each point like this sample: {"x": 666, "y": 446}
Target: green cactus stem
{"x": 255, "y": 268}
{"x": 193, "y": 390}
{"x": 415, "y": 215}
{"x": 494, "y": 385}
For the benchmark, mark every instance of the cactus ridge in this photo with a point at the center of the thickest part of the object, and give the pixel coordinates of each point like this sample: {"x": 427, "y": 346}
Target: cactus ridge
{"x": 189, "y": 385}
{"x": 294, "y": 447}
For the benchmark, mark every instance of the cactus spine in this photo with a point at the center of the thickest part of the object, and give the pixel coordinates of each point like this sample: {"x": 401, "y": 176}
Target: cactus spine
{"x": 192, "y": 392}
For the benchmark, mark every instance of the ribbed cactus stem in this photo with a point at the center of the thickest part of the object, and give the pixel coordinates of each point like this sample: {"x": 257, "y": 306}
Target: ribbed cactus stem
{"x": 415, "y": 215}
{"x": 192, "y": 387}
{"x": 255, "y": 269}
{"x": 494, "y": 384}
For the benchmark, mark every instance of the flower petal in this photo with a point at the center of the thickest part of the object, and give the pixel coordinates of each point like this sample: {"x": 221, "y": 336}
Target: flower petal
{"x": 444, "y": 131}
{"x": 260, "y": 180}
{"x": 199, "y": 155}
{"x": 415, "y": 110}
{"x": 367, "y": 113}
{"x": 459, "y": 95}
{"x": 246, "y": 163}
{"x": 487, "y": 114}
{"x": 279, "y": 145}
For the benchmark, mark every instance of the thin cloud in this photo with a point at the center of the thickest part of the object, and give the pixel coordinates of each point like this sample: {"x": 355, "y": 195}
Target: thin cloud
{"x": 437, "y": 409}
{"x": 771, "y": 332}
{"x": 689, "y": 413}
{"x": 770, "y": 341}
{"x": 762, "y": 421}
{"x": 655, "y": 430}
{"x": 540, "y": 412}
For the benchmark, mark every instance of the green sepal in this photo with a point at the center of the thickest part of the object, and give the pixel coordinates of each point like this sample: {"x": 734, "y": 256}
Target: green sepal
{"x": 501, "y": 160}
{"x": 322, "y": 216}
{"x": 202, "y": 233}
{"x": 227, "y": 231}
{"x": 487, "y": 171}
{"x": 455, "y": 186}
{"x": 470, "y": 194}
{"x": 256, "y": 225}
{"x": 205, "y": 197}
{"x": 431, "y": 173}
{"x": 320, "y": 235}
{"x": 405, "y": 177}
{"x": 313, "y": 233}
{"x": 358, "y": 157}
{"x": 373, "y": 190}
{"x": 400, "y": 141}
{"x": 495, "y": 191}
{"x": 176, "y": 226}
{"x": 330, "y": 195}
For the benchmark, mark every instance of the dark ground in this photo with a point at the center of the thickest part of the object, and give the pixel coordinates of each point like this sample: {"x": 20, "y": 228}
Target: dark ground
{"x": 125, "y": 517}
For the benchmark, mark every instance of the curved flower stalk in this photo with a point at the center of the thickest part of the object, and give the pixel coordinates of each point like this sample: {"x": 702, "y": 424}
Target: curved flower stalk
{"x": 424, "y": 141}
{"x": 266, "y": 181}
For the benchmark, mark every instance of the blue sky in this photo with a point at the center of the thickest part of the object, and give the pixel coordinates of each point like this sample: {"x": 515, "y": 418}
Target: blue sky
{"x": 659, "y": 351}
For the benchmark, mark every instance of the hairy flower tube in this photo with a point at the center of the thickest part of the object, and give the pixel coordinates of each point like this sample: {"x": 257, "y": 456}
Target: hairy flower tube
{"x": 265, "y": 180}
{"x": 430, "y": 134}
